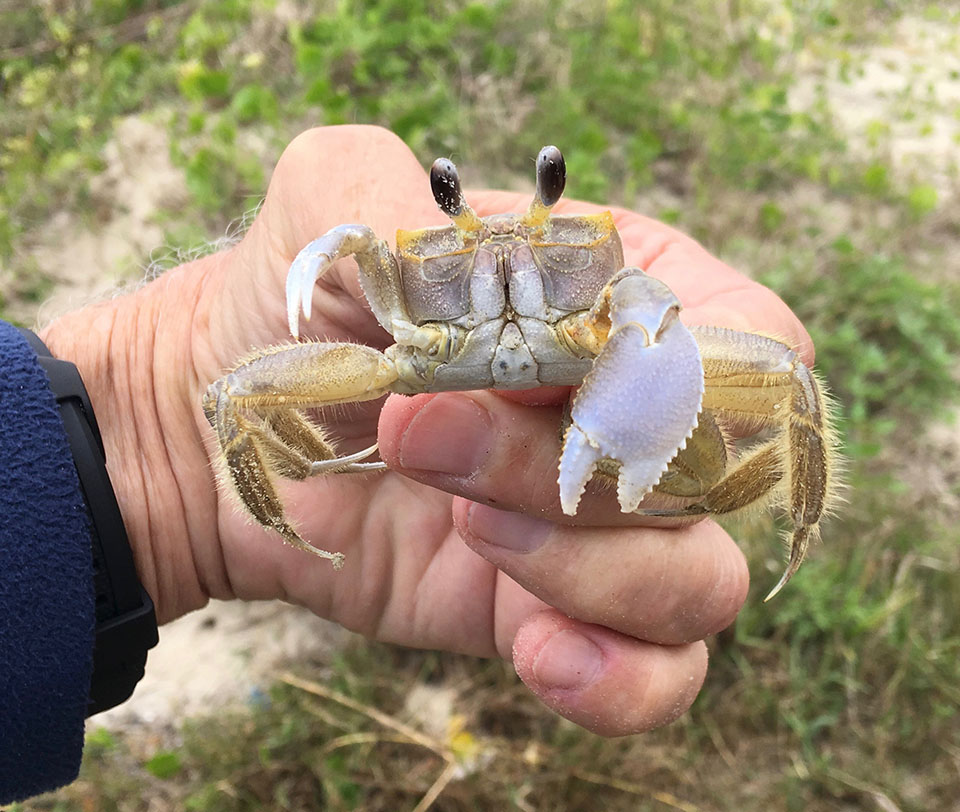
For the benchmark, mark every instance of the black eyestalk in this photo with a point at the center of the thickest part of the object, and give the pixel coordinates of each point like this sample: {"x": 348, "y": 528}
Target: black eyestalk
{"x": 551, "y": 178}
{"x": 445, "y": 183}
{"x": 551, "y": 175}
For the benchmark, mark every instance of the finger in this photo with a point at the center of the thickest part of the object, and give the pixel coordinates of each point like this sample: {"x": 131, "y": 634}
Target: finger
{"x": 490, "y": 449}
{"x": 606, "y": 682}
{"x": 662, "y": 585}
{"x": 346, "y": 174}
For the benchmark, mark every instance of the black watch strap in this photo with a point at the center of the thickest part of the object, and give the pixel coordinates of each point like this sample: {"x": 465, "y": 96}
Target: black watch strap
{"x": 126, "y": 625}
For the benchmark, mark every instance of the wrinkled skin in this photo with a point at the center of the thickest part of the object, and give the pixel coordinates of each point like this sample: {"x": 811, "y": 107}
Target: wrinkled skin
{"x": 461, "y": 545}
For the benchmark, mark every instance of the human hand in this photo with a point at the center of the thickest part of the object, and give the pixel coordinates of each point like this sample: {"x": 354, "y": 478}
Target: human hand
{"x": 603, "y": 619}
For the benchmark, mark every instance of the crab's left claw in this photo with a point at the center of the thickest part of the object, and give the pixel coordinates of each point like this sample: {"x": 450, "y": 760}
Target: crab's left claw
{"x": 640, "y": 403}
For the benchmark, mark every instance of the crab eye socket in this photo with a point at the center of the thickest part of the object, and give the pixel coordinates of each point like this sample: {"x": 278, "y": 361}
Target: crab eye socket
{"x": 445, "y": 183}
{"x": 551, "y": 175}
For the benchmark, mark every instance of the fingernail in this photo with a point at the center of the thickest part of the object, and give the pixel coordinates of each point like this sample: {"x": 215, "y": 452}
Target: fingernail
{"x": 502, "y": 528}
{"x": 450, "y": 435}
{"x": 568, "y": 660}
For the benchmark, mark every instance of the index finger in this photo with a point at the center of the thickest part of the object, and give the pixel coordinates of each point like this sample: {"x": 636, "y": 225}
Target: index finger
{"x": 493, "y": 450}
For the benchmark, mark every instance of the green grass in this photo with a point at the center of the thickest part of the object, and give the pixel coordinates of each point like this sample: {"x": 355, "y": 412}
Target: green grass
{"x": 486, "y": 82}
{"x": 842, "y": 691}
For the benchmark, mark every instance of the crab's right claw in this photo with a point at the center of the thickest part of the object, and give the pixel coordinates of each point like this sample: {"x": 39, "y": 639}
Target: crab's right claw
{"x": 304, "y": 272}
{"x": 640, "y": 403}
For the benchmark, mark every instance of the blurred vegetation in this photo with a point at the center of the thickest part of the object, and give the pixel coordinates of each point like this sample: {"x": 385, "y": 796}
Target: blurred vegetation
{"x": 842, "y": 693}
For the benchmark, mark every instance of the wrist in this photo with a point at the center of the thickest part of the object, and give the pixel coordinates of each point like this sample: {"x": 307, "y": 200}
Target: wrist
{"x": 136, "y": 356}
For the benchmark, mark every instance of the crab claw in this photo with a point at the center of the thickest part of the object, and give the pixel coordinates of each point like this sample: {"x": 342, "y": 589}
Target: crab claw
{"x": 306, "y": 268}
{"x": 640, "y": 403}
{"x": 316, "y": 258}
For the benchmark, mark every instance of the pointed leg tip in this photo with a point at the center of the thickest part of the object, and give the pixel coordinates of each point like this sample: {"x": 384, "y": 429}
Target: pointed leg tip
{"x": 342, "y": 464}
{"x": 776, "y": 590}
{"x": 798, "y": 551}
{"x": 294, "y": 539}
{"x": 792, "y": 567}
{"x": 336, "y": 559}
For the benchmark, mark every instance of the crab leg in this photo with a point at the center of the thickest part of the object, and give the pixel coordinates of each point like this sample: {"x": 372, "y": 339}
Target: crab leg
{"x": 639, "y": 403}
{"x": 760, "y": 382}
{"x": 698, "y": 466}
{"x": 261, "y": 434}
{"x": 757, "y": 378}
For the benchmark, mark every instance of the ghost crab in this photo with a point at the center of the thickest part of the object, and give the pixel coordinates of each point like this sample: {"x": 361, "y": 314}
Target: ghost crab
{"x": 520, "y": 301}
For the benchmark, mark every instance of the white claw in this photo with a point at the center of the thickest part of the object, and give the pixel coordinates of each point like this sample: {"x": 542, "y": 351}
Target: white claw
{"x": 577, "y": 465}
{"x": 640, "y": 403}
{"x": 302, "y": 276}
{"x": 308, "y": 280}
{"x": 293, "y": 303}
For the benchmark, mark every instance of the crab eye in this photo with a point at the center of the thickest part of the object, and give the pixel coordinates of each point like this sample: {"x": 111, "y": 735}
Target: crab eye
{"x": 445, "y": 183}
{"x": 551, "y": 175}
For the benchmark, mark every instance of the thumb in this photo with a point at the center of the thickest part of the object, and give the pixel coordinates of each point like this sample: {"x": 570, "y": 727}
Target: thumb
{"x": 328, "y": 176}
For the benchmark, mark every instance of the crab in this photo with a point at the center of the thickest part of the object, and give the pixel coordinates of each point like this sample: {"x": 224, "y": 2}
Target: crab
{"x": 521, "y": 301}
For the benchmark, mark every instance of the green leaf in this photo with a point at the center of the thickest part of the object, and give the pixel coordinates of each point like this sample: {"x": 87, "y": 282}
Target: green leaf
{"x": 670, "y": 216}
{"x": 876, "y": 178}
{"x": 254, "y": 103}
{"x": 164, "y": 764}
{"x": 202, "y": 181}
{"x": 197, "y": 82}
{"x": 922, "y": 199}
{"x": 771, "y": 216}
{"x": 100, "y": 738}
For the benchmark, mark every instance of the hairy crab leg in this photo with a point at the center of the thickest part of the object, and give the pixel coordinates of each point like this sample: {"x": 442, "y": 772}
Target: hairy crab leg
{"x": 261, "y": 434}
{"x": 639, "y": 403}
{"x": 300, "y": 449}
{"x": 760, "y": 382}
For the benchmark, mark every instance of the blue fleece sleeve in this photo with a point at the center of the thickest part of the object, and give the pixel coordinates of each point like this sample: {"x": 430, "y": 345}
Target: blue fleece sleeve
{"x": 46, "y": 584}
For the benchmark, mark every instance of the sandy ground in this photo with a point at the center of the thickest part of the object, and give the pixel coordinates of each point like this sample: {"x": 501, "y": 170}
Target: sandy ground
{"x": 903, "y": 95}
{"x": 224, "y": 654}
{"x": 139, "y": 181}
{"x": 228, "y": 652}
